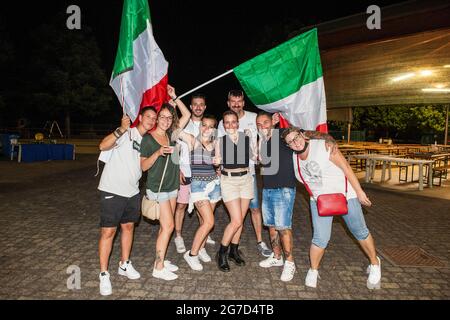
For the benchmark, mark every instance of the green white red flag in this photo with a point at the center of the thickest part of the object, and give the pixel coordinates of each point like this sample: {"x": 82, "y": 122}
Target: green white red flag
{"x": 288, "y": 79}
{"x": 139, "y": 76}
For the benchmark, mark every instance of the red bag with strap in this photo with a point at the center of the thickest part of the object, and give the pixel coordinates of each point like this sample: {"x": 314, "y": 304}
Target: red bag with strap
{"x": 332, "y": 204}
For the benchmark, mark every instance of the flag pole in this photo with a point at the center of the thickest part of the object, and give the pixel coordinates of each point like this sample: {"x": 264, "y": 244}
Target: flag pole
{"x": 204, "y": 84}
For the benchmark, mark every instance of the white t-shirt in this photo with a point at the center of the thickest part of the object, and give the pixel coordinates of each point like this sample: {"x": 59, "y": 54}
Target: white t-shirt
{"x": 193, "y": 127}
{"x": 185, "y": 158}
{"x": 321, "y": 175}
{"x": 122, "y": 172}
{"x": 248, "y": 121}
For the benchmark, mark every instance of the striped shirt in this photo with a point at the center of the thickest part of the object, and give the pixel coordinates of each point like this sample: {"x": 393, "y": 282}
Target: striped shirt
{"x": 202, "y": 167}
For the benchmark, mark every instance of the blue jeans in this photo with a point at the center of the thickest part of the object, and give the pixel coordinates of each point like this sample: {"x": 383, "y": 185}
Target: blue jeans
{"x": 254, "y": 203}
{"x": 205, "y": 190}
{"x": 277, "y": 207}
{"x": 354, "y": 220}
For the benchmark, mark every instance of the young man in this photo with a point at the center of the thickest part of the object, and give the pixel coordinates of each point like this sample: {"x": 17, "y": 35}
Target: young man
{"x": 120, "y": 196}
{"x": 247, "y": 123}
{"x": 198, "y": 107}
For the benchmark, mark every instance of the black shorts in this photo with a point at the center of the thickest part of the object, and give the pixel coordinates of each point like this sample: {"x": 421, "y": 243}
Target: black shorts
{"x": 116, "y": 209}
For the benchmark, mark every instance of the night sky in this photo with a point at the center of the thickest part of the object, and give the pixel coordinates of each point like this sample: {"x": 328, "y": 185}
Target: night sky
{"x": 200, "y": 39}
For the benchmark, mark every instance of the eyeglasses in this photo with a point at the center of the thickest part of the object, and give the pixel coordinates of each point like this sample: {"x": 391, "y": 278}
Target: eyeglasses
{"x": 235, "y": 93}
{"x": 294, "y": 140}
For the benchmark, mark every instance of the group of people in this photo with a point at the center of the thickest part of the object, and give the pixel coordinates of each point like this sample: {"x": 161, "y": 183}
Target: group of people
{"x": 194, "y": 161}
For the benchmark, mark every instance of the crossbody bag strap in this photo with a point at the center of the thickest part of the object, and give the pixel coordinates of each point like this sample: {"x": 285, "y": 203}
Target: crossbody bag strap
{"x": 304, "y": 182}
{"x": 163, "y": 175}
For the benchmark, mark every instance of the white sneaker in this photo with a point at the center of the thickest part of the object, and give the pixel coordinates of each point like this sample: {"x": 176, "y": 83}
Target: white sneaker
{"x": 311, "y": 278}
{"x": 105, "y": 284}
{"x": 127, "y": 269}
{"x": 271, "y": 262}
{"x": 179, "y": 243}
{"x": 210, "y": 241}
{"x": 170, "y": 266}
{"x": 203, "y": 255}
{"x": 288, "y": 271}
{"x": 164, "y": 274}
{"x": 193, "y": 262}
{"x": 374, "y": 279}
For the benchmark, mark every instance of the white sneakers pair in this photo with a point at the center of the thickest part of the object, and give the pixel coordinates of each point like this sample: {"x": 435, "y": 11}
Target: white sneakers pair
{"x": 194, "y": 261}
{"x": 373, "y": 281}
{"x": 181, "y": 248}
{"x": 167, "y": 272}
{"x": 288, "y": 266}
{"x": 125, "y": 269}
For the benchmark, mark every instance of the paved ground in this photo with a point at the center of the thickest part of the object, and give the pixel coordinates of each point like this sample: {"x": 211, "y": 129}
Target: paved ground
{"x": 49, "y": 214}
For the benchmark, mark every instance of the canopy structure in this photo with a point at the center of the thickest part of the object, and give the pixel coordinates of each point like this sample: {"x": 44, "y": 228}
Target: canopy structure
{"x": 413, "y": 69}
{"x": 406, "y": 62}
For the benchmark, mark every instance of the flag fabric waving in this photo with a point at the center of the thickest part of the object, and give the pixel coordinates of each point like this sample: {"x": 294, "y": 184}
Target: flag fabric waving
{"x": 288, "y": 79}
{"x": 139, "y": 75}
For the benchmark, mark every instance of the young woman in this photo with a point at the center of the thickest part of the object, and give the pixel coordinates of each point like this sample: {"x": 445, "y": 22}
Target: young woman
{"x": 233, "y": 152}
{"x": 155, "y": 148}
{"x": 326, "y": 173}
{"x": 205, "y": 187}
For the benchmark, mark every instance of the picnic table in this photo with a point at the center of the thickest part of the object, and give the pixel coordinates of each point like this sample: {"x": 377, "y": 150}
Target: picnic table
{"x": 371, "y": 160}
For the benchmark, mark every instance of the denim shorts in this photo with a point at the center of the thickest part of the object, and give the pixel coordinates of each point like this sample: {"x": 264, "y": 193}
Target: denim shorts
{"x": 354, "y": 220}
{"x": 277, "y": 207}
{"x": 163, "y": 196}
{"x": 205, "y": 190}
{"x": 254, "y": 203}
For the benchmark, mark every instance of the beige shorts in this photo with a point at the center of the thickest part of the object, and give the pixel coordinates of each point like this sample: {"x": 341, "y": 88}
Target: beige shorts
{"x": 236, "y": 187}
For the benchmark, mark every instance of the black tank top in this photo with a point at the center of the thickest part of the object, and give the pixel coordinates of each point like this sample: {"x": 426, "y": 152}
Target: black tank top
{"x": 235, "y": 156}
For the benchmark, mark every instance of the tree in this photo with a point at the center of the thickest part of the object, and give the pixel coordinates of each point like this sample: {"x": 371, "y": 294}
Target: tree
{"x": 401, "y": 121}
{"x": 69, "y": 78}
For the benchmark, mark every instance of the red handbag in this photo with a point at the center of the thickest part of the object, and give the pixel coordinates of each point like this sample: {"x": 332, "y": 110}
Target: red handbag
{"x": 332, "y": 204}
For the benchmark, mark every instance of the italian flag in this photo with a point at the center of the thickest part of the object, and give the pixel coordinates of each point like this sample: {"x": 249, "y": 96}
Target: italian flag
{"x": 288, "y": 79}
{"x": 139, "y": 77}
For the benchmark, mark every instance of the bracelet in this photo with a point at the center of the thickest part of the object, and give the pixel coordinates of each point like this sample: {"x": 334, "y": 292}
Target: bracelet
{"x": 117, "y": 133}
{"x": 173, "y": 99}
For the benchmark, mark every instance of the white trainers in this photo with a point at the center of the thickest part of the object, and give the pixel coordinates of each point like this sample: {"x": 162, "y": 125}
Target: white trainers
{"x": 193, "y": 262}
{"x": 288, "y": 271}
{"x": 127, "y": 269}
{"x": 105, "y": 284}
{"x": 374, "y": 279}
{"x": 179, "y": 244}
{"x": 203, "y": 255}
{"x": 271, "y": 262}
{"x": 210, "y": 241}
{"x": 170, "y": 266}
{"x": 311, "y": 278}
{"x": 164, "y": 274}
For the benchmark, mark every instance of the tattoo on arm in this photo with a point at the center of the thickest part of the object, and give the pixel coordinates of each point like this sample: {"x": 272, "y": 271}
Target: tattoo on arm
{"x": 320, "y": 136}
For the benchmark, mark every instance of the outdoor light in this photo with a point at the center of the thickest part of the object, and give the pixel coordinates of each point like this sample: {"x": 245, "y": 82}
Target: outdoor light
{"x": 426, "y": 73}
{"x": 404, "y": 76}
{"x": 436, "y": 90}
